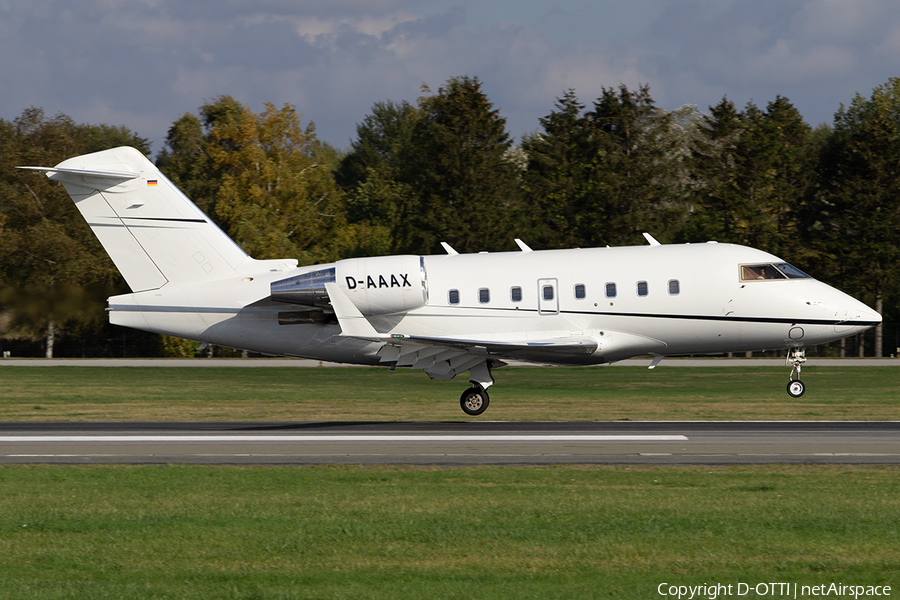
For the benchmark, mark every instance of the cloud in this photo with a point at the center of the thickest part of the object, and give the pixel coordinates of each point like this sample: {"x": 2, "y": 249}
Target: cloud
{"x": 143, "y": 63}
{"x": 816, "y": 52}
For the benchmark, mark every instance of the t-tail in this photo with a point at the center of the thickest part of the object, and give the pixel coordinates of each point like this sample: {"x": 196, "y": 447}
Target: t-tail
{"x": 154, "y": 234}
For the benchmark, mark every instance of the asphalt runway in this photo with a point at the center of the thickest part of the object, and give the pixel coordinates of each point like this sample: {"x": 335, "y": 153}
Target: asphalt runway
{"x": 452, "y": 443}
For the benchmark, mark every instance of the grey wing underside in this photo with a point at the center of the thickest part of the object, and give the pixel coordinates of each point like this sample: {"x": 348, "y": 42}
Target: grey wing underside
{"x": 445, "y": 357}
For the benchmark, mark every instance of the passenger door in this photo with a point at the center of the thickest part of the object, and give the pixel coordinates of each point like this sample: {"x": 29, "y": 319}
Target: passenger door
{"x": 548, "y": 297}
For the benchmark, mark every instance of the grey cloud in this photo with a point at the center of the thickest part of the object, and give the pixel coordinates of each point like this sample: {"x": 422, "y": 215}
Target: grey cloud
{"x": 814, "y": 52}
{"x": 143, "y": 63}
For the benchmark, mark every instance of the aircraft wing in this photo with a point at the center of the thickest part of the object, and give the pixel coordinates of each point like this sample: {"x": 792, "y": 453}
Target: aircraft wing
{"x": 445, "y": 357}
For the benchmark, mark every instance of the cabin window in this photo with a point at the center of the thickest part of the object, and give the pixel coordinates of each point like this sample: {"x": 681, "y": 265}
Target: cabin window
{"x": 484, "y": 295}
{"x": 547, "y": 292}
{"x": 579, "y": 291}
{"x": 453, "y": 297}
{"x": 515, "y": 294}
{"x": 674, "y": 287}
{"x": 642, "y": 288}
{"x": 610, "y": 290}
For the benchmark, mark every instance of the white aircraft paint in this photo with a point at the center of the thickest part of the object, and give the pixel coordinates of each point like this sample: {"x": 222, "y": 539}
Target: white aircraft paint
{"x": 444, "y": 314}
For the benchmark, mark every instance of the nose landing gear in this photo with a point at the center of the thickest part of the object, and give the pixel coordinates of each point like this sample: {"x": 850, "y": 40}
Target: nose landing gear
{"x": 796, "y": 357}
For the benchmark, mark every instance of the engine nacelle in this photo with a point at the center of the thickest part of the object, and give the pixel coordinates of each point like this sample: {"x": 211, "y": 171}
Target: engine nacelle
{"x": 384, "y": 284}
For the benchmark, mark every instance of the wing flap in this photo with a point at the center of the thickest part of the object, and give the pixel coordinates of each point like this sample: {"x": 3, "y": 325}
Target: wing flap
{"x": 536, "y": 349}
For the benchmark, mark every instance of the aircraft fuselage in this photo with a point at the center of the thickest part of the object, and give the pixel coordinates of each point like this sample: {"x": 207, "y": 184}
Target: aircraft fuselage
{"x": 666, "y": 300}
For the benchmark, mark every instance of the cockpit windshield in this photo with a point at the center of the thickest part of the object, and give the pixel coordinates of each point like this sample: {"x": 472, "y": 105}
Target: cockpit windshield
{"x": 791, "y": 271}
{"x": 771, "y": 271}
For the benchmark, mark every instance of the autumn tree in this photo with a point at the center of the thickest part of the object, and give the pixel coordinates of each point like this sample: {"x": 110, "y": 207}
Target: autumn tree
{"x": 263, "y": 177}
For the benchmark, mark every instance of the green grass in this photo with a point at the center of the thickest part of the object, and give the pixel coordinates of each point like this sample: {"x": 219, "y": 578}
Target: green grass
{"x": 323, "y": 394}
{"x": 482, "y": 532}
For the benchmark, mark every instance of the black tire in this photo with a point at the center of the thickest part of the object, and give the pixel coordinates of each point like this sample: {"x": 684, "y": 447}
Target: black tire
{"x": 796, "y": 388}
{"x": 474, "y": 401}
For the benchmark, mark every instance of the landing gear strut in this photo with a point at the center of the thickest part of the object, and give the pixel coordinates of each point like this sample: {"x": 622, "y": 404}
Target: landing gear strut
{"x": 796, "y": 357}
{"x": 475, "y": 400}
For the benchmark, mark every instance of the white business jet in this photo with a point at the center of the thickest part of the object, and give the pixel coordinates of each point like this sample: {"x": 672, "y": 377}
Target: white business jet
{"x": 444, "y": 314}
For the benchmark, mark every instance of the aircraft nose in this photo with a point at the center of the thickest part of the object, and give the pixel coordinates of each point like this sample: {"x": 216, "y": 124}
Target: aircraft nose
{"x": 854, "y": 317}
{"x": 858, "y": 311}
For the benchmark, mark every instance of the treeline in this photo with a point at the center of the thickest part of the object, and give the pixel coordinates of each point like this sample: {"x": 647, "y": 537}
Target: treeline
{"x": 446, "y": 169}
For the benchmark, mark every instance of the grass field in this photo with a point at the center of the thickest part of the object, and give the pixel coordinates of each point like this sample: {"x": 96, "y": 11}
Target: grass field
{"x": 185, "y": 532}
{"x": 522, "y": 393}
{"x": 485, "y": 532}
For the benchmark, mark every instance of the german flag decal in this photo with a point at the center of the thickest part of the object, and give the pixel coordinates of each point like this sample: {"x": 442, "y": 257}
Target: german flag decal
{"x": 151, "y": 183}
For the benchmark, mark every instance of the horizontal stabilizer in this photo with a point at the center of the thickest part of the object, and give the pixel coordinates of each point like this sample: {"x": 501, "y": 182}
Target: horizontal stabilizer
{"x": 85, "y": 172}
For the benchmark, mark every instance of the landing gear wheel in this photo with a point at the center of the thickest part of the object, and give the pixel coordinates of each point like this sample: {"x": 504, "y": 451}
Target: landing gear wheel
{"x": 474, "y": 401}
{"x": 796, "y": 388}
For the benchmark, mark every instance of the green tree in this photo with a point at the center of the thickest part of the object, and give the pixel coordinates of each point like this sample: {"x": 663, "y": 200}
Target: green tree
{"x": 854, "y": 217}
{"x": 558, "y": 175}
{"x": 376, "y": 176}
{"x": 611, "y": 173}
{"x": 461, "y": 172}
{"x": 53, "y": 270}
{"x": 441, "y": 171}
{"x": 776, "y": 154}
{"x": 755, "y": 170}
{"x": 381, "y": 140}
{"x": 719, "y": 210}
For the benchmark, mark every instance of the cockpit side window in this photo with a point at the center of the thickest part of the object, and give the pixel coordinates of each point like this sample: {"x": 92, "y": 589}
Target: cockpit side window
{"x": 756, "y": 272}
{"x": 771, "y": 271}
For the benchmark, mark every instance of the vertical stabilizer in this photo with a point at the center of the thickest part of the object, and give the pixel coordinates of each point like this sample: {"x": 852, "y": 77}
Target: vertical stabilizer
{"x": 153, "y": 233}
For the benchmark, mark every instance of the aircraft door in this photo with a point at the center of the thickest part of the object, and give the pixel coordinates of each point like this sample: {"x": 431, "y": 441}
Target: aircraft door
{"x": 548, "y": 296}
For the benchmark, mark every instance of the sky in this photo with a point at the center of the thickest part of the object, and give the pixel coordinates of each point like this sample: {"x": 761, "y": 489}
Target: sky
{"x": 145, "y": 63}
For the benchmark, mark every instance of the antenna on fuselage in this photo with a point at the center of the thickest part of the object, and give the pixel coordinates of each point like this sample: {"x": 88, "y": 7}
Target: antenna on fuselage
{"x": 522, "y": 246}
{"x": 651, "y": 239}
{"x": 448, "y": 248}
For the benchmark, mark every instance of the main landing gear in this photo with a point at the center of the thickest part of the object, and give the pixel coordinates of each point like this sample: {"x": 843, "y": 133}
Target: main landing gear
{"x": 475, "y": 400}
{"x": 796, "y": 357}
